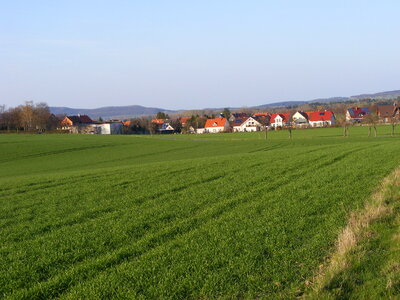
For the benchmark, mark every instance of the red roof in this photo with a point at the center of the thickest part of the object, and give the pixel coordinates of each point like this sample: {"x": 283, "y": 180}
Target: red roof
{"x": 183, "y": 120}
{"x": 285, "y": 117}
{"x": 217, "y": 122}
{"x": 320, "y": 115}
{"x": 260, "y": 114}
{"x": 158, "y": 121}
{"x": 358, "y": 112}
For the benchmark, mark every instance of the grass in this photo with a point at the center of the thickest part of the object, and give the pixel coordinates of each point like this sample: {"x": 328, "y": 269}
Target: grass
{"x": 224, "y": 215}
{"x": 366, "y": 261}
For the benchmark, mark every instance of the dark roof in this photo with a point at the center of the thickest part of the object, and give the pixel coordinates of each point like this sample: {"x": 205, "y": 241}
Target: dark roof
{"x": 241, "y": 115}
{"x": 304, "y": 114}
{"x": 238, "y": 121}
{"x": 358, "y": 112}
{"x": 262, "y": 119}
{"x": 80, "y": 119}
{"x": 386, "y": 111}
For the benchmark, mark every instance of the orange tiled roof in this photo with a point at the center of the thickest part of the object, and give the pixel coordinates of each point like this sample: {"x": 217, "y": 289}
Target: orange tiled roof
{"x": 217, "y": 122}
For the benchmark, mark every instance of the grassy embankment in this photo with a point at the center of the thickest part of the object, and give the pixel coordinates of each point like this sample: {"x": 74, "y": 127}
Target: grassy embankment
{"x": 228, "y": 215}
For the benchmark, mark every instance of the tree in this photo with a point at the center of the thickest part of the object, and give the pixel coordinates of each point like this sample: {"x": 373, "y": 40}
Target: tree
{"x": 26, "y": 115}
{"x": 176, "y": 124}
{"x": 162, "y": 115}
{"x": 371, "y": 119}
{"x": 393, "y": 122}
{"x": 153, "y": 127}
{"x": 2, "y": 111}
{"x": 264, "y": 121}
{"x": 41, "y": 116}
{"x": 13, "y": 118}
{"x": 226, "y": 113}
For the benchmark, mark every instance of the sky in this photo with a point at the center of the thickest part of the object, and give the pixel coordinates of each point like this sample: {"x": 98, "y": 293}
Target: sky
{"x": 195, "y": 54}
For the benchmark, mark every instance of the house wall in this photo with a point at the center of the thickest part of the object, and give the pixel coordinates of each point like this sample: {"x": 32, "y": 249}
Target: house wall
{"x": 218, "y": 129}
{"x": 277, "y": 122}
{"x": 116, "y": 128}
{"x": 215, "y": 129}
{"x": 300, "y": 120}
{"x": 320, "y": 123}
{"x": 106, "y": 128}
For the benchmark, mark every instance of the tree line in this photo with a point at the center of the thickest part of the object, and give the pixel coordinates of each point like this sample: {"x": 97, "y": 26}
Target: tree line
{"x": 28, "y": 117}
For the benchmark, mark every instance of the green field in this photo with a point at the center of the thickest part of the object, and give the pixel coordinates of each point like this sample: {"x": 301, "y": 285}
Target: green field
{"x": 179, "y": 216}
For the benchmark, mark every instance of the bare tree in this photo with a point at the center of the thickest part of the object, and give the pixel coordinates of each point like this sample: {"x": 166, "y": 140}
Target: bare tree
{"x": 372, "y": 120}
{"x": 393, "y": 122}
{"x": 13, "y": 118}
{"x": 41, "y": 116}
{"x": 26, "y": 117}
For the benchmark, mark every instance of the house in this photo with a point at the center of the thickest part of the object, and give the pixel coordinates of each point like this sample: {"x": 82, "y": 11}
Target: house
{"x": 166, "y": 128}
{"x": 386, "y": 112}
{"x": 321, "y": 118}
{"x": 356, "y": 114}
{"x": 108, "y": 127}
{"x": 235, "y": 116}
{"x": 69, "y": 121}
{"x": 200, "y": 130}
{"x": 261, "y": 114}
{"x": 396, "y": 113}
{"x": 236, "y": 124}
{"x": 280, "y": 119}
{"x": 217, "y": 125}
{"x": 246, "y": 125}
{"x": 158, "y": 121}
{"x": 300, "y": 119}
{"x": 127, "y": 123}
{"x": 163, "y": 126}
{"x": 183, "y": 120}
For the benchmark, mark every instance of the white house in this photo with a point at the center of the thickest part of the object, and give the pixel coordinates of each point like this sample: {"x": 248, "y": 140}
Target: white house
{"x": 280, "y": 120}
{"x": 300, "y": 118}
{"x": 217, "y": 125}
{"x": 246, "y": 125}
{"x": 99, "y": 128}
{"x": 166, "y": 128}
{"x": 356, "y": 114}
{"x": 321, "y": 118}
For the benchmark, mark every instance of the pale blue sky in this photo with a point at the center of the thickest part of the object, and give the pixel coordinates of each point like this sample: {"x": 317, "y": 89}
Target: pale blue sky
{"x": 195, "y": 54}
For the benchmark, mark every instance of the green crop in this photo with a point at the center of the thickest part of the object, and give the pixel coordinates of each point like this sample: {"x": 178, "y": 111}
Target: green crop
{"x": 180, "y": 216}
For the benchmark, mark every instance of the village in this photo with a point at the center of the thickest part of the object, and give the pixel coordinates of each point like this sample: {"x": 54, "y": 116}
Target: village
{"x": 232, "y": 122}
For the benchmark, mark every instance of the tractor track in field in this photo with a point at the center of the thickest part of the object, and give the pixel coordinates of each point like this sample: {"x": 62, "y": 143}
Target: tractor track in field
{"x": 169, "y": 235}
{"x": 376, "y": 208}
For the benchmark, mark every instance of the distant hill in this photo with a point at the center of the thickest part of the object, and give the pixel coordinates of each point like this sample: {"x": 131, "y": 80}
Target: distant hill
{"x": 110, "y": 112}
{"x": 281, "y": 104}
{"x": 327, "y": 100}
{"x": 382, "y": 95}
{"x": 131, "y": 111}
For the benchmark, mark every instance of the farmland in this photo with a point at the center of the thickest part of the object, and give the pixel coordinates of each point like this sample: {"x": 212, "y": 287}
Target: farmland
{"x": 225, "y": 215}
